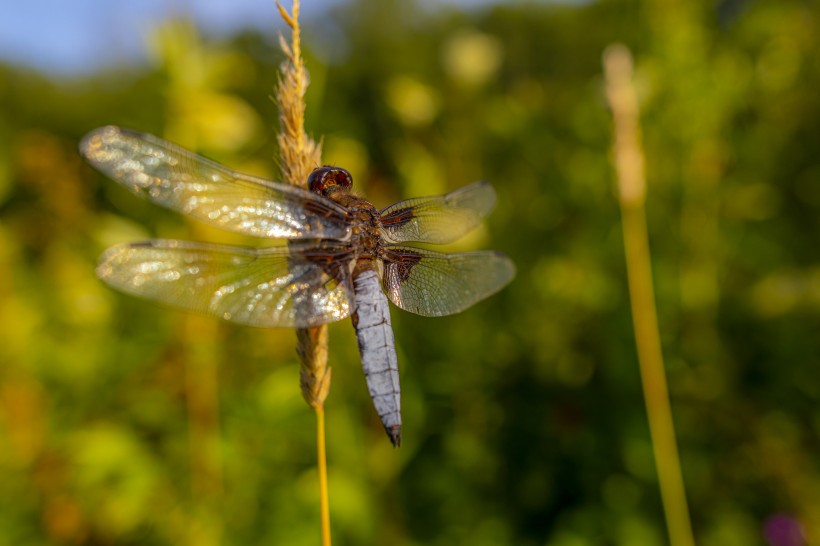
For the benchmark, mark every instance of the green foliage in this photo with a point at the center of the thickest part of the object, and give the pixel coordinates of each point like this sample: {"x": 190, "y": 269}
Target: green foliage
{"x": 524, "y": 419}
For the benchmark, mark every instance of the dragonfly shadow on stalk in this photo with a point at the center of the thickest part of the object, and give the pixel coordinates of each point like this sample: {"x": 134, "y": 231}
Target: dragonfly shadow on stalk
{"x": 344, "y": 257}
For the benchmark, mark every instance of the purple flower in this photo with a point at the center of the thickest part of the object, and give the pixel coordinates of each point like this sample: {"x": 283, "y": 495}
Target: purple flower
{"x": 784, "y": 530}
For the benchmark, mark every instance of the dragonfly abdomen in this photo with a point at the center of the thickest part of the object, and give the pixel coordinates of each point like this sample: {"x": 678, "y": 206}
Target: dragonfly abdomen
{"x": 371, "y": 319}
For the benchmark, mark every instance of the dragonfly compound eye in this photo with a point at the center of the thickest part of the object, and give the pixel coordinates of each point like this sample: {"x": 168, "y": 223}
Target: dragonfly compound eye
{"x": 322, "y": 179}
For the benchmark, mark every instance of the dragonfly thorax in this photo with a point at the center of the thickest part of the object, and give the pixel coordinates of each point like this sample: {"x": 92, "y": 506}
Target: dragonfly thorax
{"x": 366, "y": 226}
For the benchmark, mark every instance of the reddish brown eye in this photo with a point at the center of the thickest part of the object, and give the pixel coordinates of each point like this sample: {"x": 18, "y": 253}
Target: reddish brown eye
{"x": 322, "y": 179}
{"x": 343, "y": 178}
{"x": 316, "y": 180}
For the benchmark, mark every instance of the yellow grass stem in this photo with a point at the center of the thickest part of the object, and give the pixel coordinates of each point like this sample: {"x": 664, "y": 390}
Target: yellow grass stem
{"x": 629, "y": 165}
{"x": 298, "y": 155}
{"x": 322, "y": 463}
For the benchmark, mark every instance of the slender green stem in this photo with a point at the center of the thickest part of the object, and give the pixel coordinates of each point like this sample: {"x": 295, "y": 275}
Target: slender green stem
{"x": 322, "y": 464}
{"x": 628, "y": 157}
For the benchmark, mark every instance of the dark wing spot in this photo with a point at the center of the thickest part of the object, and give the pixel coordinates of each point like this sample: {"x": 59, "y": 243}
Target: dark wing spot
{"x": 398, "y": 217}
{"x": 402, "y": 263}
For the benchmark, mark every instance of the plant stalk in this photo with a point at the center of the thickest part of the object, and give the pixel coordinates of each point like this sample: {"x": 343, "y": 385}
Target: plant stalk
{"x": 298, "y": 154}
{"x": 629, "y": 165}
{"x": 322, "y": 463}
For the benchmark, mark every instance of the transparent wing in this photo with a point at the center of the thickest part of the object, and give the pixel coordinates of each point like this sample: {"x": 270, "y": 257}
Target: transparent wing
{"x": 287, "y": 287}
{"x": 180, "y": 180}
{"x": 434, "y": 284}
{"x": 440, "y": 219}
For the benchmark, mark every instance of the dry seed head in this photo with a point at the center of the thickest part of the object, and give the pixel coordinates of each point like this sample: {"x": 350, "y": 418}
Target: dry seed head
{"x": 298, "y": 155}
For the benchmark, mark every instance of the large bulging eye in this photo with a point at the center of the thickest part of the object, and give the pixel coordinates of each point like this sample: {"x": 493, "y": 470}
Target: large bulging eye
{"x": 327, "y": 178}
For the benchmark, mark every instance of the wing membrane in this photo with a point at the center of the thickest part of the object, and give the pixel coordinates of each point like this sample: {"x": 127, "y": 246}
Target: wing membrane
{"x": 440, "y": 219}
{"x": 180, "y": 180}
{"x": 275, "y": 287}
{"x": 435, "y": 284}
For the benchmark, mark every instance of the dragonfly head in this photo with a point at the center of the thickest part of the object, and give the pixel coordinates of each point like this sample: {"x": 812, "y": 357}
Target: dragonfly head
{"x": 327, "y": 179}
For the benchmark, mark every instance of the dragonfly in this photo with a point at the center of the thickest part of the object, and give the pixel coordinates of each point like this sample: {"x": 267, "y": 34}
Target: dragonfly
{"x": 344, "y": 257}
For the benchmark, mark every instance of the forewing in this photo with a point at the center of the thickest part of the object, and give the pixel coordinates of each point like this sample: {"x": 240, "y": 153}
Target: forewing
{"x": 287, "y": 287}
{"x": 440, "y": 219}
{"x": 180, "y": 180}
{"x": 435, "y": 284}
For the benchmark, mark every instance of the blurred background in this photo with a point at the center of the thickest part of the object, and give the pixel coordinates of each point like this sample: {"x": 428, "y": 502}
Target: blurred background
{"x": 125, "y": 423}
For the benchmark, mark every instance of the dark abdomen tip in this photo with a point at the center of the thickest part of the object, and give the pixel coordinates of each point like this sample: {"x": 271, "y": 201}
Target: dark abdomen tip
{"x": 394, "y": 433}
